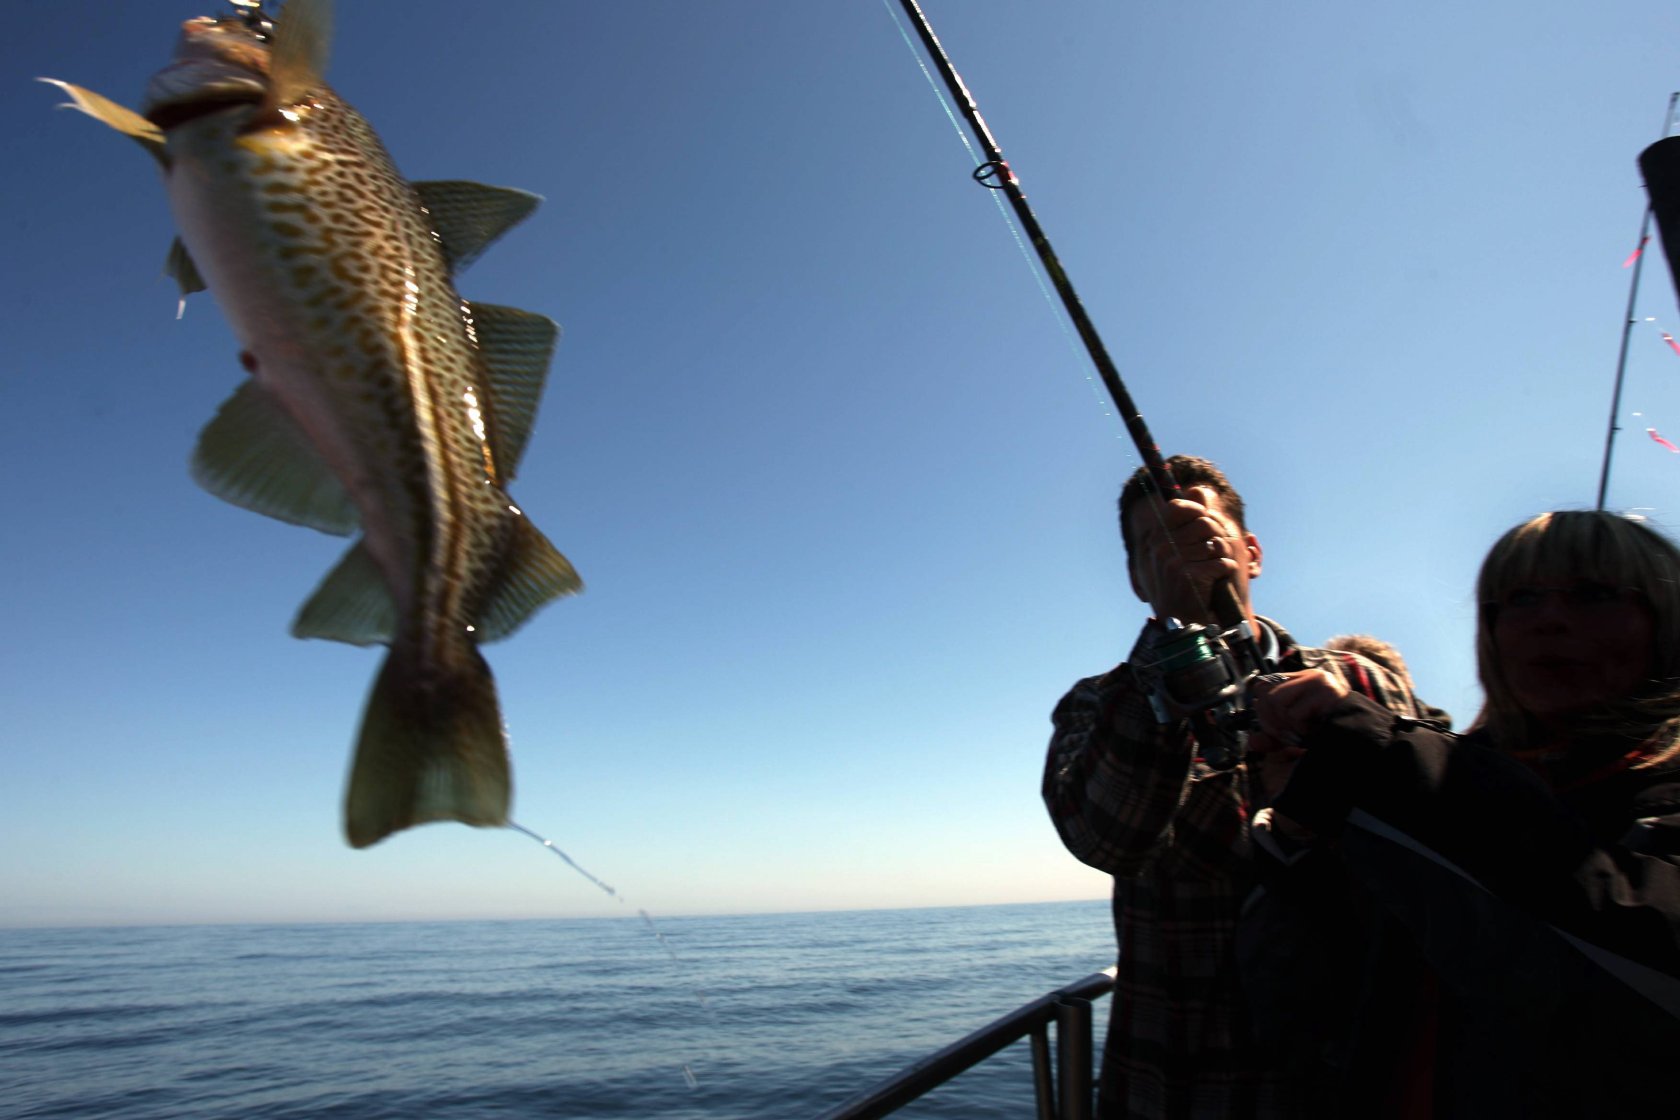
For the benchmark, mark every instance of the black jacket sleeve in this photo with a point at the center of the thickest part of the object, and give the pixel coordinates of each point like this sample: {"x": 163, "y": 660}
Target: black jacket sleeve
{"x": 1496, "y": 820}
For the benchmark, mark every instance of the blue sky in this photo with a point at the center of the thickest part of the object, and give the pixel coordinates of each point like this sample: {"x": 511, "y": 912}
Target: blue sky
{"x": 839, "y": 484}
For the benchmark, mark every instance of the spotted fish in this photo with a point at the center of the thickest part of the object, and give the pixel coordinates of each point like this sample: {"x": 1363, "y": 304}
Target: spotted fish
{"x": 377, "y": 400}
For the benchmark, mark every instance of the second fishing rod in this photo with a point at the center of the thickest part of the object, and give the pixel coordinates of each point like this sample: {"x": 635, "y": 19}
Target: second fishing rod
{"x": 1201, "y": 672}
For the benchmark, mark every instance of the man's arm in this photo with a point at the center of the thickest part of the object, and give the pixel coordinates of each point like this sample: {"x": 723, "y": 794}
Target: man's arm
{"x": 1123, "y": 789}
{"x": 1114, "y": 777}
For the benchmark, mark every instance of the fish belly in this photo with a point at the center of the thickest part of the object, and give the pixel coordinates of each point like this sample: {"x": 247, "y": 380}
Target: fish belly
{"x": 318, "y": 253}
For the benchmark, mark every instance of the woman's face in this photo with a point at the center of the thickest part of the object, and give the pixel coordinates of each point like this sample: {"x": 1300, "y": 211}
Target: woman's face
{"x": 1566, "y": 649}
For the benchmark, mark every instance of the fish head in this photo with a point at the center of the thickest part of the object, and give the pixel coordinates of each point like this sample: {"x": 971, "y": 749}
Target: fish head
{"x": 220, "y": 64}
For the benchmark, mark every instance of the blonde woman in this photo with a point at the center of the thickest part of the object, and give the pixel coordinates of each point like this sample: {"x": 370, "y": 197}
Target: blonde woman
{"x": 1498, "y": 913}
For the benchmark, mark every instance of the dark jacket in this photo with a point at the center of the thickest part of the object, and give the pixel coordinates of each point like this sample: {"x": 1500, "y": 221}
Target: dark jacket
{"x": 1509, "y": 943}
{"x": 1130, "y": 796}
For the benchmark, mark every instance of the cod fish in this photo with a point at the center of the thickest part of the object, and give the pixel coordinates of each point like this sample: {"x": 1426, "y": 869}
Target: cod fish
{"x": 377, "y": 400}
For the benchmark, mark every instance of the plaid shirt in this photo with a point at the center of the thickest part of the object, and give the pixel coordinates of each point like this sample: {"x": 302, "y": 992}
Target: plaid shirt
{"x": 1129, "y": 798}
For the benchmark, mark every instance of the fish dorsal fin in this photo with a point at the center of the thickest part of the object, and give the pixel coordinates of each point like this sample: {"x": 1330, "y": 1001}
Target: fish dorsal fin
{"x": 253, "y": 455}
{"x": 297, "y": 63}
{"x": 517, "y": 347}
{"x": 534, "y": 572}
{"x": 108, "y": 112}
{"x": 352, "y": 604}
{"x": 179, "y": 266}
{"x": 469, "y": 217}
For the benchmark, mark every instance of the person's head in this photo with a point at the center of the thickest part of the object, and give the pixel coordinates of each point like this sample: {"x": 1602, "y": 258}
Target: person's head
{"x": 1579, "y": 612}
{"x": 1373, "y": 648}
{"x": 1201, "y": 481}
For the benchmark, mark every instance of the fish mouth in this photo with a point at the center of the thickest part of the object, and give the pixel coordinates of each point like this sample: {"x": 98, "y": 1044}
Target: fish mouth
{"x": 176, "y": 113}
{"x": 218, "y": 65}
{"x": 194, "y": 88}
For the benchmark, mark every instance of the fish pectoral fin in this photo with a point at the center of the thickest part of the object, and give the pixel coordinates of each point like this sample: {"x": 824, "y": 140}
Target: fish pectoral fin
{"x": 179, "y": 266}
{"x": 352, "y": 604}
{"x": 255, "y": 456}
{"x": 517, "y": 347}
{"x": 302, "y": 47}
{"x": 535, "y": 574}
{"x": 468, "y": 217}
{"x": 124, "y": 120}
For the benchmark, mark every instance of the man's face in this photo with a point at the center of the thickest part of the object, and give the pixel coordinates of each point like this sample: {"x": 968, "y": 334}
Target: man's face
{"x": 1172, "y": 563}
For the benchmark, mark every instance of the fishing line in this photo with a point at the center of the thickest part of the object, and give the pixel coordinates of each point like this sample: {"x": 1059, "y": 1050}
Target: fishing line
{"x": 647, "y": 919}
{"x": 1027, "y": 255}
{"x": 1211, "y": 661}
{"x": 1034, "y": 268}
{"x": 570, "y": 862}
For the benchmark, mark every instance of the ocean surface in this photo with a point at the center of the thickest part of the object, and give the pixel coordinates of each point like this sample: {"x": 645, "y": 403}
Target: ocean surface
{"x": 762, "y": 1016}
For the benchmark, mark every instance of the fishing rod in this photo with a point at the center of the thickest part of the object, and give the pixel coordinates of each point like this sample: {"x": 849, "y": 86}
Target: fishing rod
{"x": 1654, "y": 168}
{"x": 1203, "y": 672}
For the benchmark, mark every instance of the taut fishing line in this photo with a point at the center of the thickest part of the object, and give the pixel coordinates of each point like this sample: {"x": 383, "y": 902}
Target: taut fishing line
{"x": 647, "y": 919}
{"x": 1034, "y": 268}
{"x": 1205, "y": 668}
{"x": 1003, "y": 211}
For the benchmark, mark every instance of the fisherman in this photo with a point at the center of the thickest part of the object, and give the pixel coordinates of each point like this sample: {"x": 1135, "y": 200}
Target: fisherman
{"x": 1131, "y": 796}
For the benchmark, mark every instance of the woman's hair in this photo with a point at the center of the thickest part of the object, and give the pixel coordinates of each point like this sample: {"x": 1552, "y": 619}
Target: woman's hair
{"x": 1555, "y": 549}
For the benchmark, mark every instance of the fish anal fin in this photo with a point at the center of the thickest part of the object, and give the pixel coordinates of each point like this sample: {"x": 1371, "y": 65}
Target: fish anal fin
{"x": 352, "y": 604}
{"x": 302, "y": 47}
{"x": 255, "y": 456}
{"x": 109, "y": 113}
{"x": 468, "y": 217}
{"x": 535, "y": 573}
{"x": 517, "y": 347}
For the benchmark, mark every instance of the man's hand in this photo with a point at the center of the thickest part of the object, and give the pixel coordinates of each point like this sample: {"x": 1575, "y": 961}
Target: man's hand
{"x": 1288, "y": 706}
{"x": 1180, "y": 551}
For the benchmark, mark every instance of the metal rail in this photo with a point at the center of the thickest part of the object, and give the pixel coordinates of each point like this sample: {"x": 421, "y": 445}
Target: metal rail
{"x": 1069, "y": 1008}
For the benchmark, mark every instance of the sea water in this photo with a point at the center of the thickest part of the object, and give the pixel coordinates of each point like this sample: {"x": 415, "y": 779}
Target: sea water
{"x": 762, "y": 1016}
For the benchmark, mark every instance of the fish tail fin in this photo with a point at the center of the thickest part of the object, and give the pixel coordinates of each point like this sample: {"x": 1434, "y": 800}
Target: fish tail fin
{"x": 431, "y": 748}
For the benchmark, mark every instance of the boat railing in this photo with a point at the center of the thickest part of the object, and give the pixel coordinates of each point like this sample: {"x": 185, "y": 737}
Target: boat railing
{"x": 1061, "y": 1093}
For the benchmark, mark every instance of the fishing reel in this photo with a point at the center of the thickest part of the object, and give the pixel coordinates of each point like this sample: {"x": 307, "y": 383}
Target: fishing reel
{"x": 1196, "y": 675}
